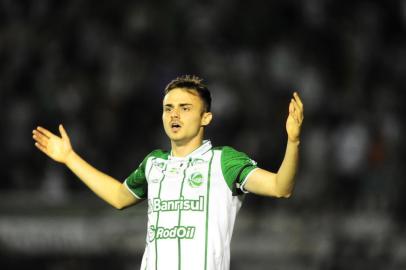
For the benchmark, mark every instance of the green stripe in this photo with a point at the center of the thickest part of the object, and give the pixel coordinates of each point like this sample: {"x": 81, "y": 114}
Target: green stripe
{"x": 150, "y": 169}
{"x": 207, "y": 209}
{"x": 180, "y": 212}
{"x": 157, "y": 219}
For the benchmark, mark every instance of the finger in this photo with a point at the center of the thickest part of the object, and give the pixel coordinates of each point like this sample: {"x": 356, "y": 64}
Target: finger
{"x": 39, "y": 134}
{"x": 41, "y": 148}
{"x": 294, "y": 117}
{"x": 298, "y": 119}
{"x": 296, "y": 110}
{"x": 46, "y": 132}
{"x": 291, "y": 107}
{"x": 63, "y": 132}
{"x": 292, "y": 111}
{"x": 298, "y": 116}
{"x": 296, "y": 106}
{"x": 298, "y": 100}
{"x": 41, "y": 139}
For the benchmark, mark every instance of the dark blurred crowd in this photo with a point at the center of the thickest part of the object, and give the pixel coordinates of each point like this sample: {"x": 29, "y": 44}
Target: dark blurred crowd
{"x": 100, "y": 67}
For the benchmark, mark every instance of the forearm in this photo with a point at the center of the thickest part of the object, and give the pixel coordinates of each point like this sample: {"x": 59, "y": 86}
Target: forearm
{"x": 106, "y": 187}
{"x": 285, "y": 178}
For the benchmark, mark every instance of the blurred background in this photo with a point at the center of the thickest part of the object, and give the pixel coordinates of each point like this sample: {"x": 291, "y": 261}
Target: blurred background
{"x": 100, "y": 67}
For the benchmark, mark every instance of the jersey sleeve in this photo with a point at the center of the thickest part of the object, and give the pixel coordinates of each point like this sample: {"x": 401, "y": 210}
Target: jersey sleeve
{"x": 236, "y": 166}
{"x": 137, "y": 182}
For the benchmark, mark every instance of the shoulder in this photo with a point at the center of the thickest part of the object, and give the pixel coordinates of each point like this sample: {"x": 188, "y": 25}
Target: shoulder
{"x": 155, "y": 154}
{"x": 224, "y": 148}
{"x": 230, "y": 155}
{"x": 158, "y": 153}
{"x": 229, "y": 152}
{"x": 235, "y": 166}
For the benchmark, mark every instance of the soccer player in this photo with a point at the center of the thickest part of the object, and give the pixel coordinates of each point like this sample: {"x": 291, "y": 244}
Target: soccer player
{"x": 195, "y": 191}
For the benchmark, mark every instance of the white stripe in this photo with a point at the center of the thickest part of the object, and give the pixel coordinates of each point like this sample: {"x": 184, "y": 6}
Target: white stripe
{"x": 245, "y": 181}
{"x": 129, "y": 189}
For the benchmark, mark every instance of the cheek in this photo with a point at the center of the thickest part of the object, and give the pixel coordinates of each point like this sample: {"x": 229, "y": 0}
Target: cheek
{"x": 164, "y": 117}
{"x": 165, "y": 122}
{"x": 195, "y": 121}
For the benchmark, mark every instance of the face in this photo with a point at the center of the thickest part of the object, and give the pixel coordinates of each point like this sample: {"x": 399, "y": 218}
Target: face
{"x": 183, "y": 117}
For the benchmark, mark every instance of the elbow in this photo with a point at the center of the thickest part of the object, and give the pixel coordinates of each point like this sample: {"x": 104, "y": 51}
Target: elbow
{"x": 284, "y": 190}
{"x": 283, "y": 195}
{"x": 121, "y": 205}
{"x": 118, "y": 206}
{"x": 287, "y": 195}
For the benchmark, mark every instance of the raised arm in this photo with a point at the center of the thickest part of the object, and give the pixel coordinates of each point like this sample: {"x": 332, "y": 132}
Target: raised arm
{"x": 280, "y": 184}
{"x": 60, "y": 149}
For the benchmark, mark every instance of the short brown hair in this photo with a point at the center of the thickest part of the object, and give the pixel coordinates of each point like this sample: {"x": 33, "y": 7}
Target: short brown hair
{"x": 192, "y": 82}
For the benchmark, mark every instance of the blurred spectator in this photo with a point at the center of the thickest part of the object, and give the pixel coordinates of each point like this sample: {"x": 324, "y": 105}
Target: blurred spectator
{"x": 101, "y": 67}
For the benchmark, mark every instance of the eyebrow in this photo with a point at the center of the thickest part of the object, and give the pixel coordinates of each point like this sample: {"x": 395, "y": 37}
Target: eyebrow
{"x": 181, "y": 105}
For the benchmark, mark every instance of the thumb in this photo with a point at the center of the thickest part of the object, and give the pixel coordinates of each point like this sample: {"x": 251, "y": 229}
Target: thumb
{"x": 63, "y": 132}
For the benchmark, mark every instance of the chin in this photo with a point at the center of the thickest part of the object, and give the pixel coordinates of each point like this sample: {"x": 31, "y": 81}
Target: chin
{"x": 179, "y": 140}
{"x": 175, "y": 137}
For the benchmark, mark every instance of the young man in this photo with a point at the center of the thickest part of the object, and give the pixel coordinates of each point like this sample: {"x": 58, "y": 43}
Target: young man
{"x": 194, "y": 191}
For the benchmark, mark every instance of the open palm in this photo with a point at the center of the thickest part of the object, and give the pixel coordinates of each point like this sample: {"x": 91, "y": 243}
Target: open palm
{"x": 57, "y": 148}
{"x": 295, "y": 118}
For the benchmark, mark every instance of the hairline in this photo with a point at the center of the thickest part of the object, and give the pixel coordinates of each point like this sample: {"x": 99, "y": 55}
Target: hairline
{"x": 192, "y": 91}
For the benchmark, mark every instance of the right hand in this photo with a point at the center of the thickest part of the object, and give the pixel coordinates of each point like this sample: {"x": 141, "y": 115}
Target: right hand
{"x": 57, "y": 148}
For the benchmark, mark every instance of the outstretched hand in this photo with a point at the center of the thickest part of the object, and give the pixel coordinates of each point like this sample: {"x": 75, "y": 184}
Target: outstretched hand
{"x": 57, "y": 148}
{"x": 295, "y": 118}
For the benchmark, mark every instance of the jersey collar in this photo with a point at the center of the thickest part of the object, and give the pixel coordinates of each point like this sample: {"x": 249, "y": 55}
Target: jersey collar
{"x": 206, "y": 146}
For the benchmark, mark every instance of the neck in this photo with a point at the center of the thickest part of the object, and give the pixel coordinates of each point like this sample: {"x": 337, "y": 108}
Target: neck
{"x": 182, "y": 149}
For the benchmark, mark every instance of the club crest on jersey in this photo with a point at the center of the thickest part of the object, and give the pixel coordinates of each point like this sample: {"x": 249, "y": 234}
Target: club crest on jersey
{"x": 195, "y": 179}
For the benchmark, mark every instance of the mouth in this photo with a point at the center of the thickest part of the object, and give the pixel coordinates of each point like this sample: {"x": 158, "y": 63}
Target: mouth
{"x": 175, "y": 126}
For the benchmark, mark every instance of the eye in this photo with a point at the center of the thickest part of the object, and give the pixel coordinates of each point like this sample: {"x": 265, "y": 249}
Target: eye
{"x": 186, "y": 109}
{"x": 167, "y": 109}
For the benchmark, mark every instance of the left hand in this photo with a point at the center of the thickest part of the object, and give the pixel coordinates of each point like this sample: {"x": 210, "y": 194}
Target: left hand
{"x": 295, "y": 118}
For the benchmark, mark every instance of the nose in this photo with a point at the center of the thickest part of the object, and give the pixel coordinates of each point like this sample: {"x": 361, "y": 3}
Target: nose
{"x": 174, "y": 113}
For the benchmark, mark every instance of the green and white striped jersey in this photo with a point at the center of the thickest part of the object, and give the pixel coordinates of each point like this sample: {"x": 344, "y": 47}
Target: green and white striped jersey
{"x": 192, "y": 205}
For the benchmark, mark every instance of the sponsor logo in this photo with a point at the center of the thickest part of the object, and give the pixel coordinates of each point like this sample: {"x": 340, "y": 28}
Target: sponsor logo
{"x": 197, "y": 161}
{"x": 158, "y": 205}
{"x": 173, "y": 170}
{"x": 177, "y": 232}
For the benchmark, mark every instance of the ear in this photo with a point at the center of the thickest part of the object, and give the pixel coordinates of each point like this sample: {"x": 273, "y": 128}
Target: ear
{"x": 206, "y": 119}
